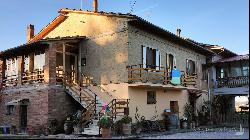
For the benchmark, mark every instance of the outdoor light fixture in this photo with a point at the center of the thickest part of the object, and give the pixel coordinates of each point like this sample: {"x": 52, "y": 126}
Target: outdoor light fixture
{"x": 83, "y": 62}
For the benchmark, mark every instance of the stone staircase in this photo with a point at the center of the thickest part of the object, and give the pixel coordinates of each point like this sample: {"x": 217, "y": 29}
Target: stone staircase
{"x": 92, "y": 98}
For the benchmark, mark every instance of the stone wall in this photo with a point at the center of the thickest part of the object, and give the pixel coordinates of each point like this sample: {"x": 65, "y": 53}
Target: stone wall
{"x": 138, "y": 37}
{"x": 60, "y": 104}
{"x": 37, "y": 111}
{"x": 45, "y": 103}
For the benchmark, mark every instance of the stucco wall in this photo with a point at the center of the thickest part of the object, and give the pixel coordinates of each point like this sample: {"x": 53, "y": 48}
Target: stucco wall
{"x": 138, "y": 98}
{"x": 105, "y": 49}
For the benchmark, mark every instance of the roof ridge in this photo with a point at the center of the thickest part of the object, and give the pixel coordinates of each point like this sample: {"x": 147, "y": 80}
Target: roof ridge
{"x": 68, "y": 10}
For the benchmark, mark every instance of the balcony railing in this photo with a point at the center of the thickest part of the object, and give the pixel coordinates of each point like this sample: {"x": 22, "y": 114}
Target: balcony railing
{"x": 36, "y": 76}
{"x": 156, "y": 74}
{"x": 232, "y": 82}
{"x": 69, "y": 77}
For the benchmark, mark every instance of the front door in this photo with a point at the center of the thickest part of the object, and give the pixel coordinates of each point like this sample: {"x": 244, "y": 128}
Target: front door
{"x": 23, "y": 118}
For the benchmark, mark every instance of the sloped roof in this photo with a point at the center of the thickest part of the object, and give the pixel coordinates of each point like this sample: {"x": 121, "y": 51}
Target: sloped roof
{"x": 37, "y": 45}
{"x": 225, "y": 53}
{"x": 52, "y": 25}
{"x": 135, "y": 20}
{"x": 235, "y": 58}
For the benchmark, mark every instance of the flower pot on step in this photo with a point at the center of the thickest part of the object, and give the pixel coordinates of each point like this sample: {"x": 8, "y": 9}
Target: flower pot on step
{"x": 106, "y": 132}
{"x": 126, "y": 129}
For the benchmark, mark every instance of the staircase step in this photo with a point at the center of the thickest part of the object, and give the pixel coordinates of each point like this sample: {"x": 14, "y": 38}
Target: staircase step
{"x": 120, "y": 107}
{"x": 122, "y": 102}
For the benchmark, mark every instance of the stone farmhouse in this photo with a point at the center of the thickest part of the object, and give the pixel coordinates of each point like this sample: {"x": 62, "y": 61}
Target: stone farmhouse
{"x": 84, "y": 59}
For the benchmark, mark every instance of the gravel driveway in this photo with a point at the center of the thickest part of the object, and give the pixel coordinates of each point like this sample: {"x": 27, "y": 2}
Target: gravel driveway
{"x": 221, "y": 133}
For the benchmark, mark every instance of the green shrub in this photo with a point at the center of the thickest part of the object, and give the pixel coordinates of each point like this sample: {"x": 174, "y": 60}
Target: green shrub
{"x": 126, "y": 119}
{"x": 105, "y": 122}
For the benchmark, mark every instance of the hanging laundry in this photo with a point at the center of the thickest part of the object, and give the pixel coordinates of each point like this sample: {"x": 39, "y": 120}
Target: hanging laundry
{"x": 176, "y": 77}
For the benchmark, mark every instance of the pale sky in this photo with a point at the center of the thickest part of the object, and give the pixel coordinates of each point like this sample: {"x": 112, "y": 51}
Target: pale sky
{"x": 220, "y": 22}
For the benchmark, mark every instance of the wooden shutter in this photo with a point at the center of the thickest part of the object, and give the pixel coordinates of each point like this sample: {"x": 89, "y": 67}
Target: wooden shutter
{"x": 158, "y": 59}
{"x": 144, "y": 56}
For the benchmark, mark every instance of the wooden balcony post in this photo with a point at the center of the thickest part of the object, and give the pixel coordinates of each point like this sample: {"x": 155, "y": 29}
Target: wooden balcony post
{"x": 31, "y": 62}
{"x": 95, "y": 103}
{"x": 140, "y": 72}
{"x": 2, "y": 72}
{"x": 64, "y": 58}
{"x": 50, "y": 64}
{"x": 20, "y": 61}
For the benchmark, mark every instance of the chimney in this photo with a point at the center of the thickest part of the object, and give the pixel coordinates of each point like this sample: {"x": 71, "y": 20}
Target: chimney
{"x": 95, "y": 6}
{"x": 178, "y": 33}
{"x": 30, "y": 32}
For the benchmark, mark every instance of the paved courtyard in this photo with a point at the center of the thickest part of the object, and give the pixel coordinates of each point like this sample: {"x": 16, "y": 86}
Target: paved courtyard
{"x": 220, "y": 133}
{"x": 212, "y": 133}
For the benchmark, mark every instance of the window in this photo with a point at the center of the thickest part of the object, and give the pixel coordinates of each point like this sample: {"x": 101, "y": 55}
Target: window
{"x": 39, "y": 61}
{"x": 171, "y": 61}
{"x": 174, "y": 107}
{"x": 10, "y": 109}
{"x": 11, "y": 68}
{"x": 150, "y": 58}
{"x": 245, "y": 71}
{"x": 190, "y": 67}
{"x": 235, "y": 71}
{"x": 26, "y": 63}
{"x": 151, "y": 97}
{"x": 222, "y": 73}
{"x": 204, "y": 72}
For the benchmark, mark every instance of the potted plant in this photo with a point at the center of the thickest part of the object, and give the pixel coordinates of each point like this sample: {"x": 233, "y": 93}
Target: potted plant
{"x": 189, "y": 114}
{"x": 126, "y": 125}
{"x": 76, "y": 122}
{"x": 138, "y": 125}
{"x": 183, "y": 122}
{"x": 105, "y": 123}
{"x": 68, "y": 127}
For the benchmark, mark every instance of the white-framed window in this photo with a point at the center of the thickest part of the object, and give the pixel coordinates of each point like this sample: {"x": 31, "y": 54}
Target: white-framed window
{"x": 151, "y": 58}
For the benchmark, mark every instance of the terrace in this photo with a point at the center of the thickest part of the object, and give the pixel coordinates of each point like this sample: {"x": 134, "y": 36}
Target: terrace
{"x": 158, "y": 75}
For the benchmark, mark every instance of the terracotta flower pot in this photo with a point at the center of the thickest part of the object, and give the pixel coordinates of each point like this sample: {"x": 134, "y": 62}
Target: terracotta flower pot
{"x": 106, "y": 132}
{"x": 126, "y": 129}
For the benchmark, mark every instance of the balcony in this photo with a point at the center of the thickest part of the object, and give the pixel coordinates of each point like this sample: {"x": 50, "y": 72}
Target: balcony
{"x": 232, "y": 82}
{"x": 36, "y": 76}
{"x": 157, "y": 75}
